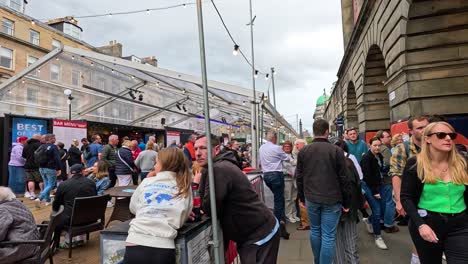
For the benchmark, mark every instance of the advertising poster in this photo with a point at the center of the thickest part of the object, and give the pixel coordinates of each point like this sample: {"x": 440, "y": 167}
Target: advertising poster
{"x": 171, "y": 136}
{"x": 65, "y": 131}
{"x": 27, "y": 127}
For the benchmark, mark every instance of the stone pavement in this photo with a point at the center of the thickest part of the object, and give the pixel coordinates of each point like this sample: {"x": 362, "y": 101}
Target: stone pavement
{"x": 297, "y": 249}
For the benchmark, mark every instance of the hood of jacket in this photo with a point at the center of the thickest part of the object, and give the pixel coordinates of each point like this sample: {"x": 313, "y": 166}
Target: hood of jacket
{"x": 226, "y": 155}
{"x": 16, "y": 156}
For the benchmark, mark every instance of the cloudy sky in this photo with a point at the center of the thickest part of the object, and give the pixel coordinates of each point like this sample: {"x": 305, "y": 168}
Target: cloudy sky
{"x": 301, "y": 39}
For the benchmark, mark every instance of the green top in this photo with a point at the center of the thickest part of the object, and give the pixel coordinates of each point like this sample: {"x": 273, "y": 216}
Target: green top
{"x": 443, "y": 197}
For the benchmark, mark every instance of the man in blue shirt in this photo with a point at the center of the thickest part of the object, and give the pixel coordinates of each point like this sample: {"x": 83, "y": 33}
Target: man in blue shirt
{"x": 271, "y": 161}
{"x": 95, "y": 149}
{"x": 356, "y": 147}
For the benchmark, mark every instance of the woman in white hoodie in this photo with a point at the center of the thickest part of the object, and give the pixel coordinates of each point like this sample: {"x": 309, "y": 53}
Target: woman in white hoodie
{"x": 162, "y": 204}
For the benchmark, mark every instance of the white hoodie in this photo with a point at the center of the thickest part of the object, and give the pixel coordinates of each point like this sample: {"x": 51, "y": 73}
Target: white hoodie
{"x": 158, "y": 214}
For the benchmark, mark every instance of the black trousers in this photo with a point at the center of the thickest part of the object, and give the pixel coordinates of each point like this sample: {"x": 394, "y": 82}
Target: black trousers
{"x": 112, "y": 177}
{"x": 452, "y": 232}
{"x": 148, "y": 255}
{"x": 264, "y": 254}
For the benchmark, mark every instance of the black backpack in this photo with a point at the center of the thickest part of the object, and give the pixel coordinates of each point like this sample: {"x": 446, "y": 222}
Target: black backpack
{"x": 40, "y": 155}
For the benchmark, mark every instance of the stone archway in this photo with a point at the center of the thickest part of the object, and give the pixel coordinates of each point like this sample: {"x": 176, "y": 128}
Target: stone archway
{"x": 372, "y": 103}
{"x": 350, "y": 113}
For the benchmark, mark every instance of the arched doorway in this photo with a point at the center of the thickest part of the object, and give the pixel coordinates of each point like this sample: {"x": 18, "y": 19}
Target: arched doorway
{"x": 351, "y": 116}
{"x": 372, "y": 104}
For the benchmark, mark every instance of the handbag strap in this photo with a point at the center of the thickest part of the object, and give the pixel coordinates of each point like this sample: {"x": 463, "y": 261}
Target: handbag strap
{"x": 118, "y": 153}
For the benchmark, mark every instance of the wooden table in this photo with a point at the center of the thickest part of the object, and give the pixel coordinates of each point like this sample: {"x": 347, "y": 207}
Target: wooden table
{"x": 121, "y": 210}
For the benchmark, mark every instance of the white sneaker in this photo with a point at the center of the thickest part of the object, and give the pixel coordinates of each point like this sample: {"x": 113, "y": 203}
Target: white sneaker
{"x": 291, "y": 220}
{"x": 48, "y": 203}
{"x": 368, "y": 225}
{"x": 27, "y": 195}
{"x": 415, "y": 259}
{"x": 380, "y": 243}
{"x": 37, "y": 203}
{"x": 297, "y": 218}
{"x": 32, "y": 196}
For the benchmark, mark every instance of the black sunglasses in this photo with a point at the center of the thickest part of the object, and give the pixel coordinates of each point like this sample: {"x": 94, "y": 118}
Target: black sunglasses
{"x": 442, "y": 135}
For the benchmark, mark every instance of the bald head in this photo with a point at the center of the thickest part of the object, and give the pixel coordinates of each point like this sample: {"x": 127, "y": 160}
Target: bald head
{"x": 36, "y": 136}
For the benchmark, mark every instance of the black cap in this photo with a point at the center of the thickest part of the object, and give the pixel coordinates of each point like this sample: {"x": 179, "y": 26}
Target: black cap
{"x": 76, "y": 169}
{"x": 84, "y": 139}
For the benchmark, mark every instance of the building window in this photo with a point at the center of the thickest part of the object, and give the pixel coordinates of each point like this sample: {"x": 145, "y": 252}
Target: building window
{"x": 102, "y": 84}
{"x": 54, "y": 72}
{"x": 76, "y": 77}
{"x": 32, "y": 95}
{"x": 16, "y": 5}
{"x": 56, "y": 44}
{"x": 8, "y": 26}
{"x": 30, "y": 61}
{"x": 34, "y": 37}
{"x": 6, "y": 58}
{"x": 72, "y": 30}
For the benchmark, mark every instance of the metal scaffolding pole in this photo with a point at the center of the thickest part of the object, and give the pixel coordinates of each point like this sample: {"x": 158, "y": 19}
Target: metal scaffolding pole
{"x": 274, "y": 96}
{"x": 254, "y": 98}
{"x": 214, "y": 217}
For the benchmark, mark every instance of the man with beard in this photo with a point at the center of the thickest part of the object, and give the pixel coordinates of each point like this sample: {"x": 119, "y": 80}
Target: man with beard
{"x": 244, "y": 218}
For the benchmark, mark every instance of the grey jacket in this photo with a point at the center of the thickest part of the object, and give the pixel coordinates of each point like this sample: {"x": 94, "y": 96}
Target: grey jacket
{"x": 146, "y": 160}
{"x": 16, "y": 223}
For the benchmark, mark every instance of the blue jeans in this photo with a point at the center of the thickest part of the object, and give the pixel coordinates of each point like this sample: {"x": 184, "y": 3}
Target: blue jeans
{"x": 49, "y": 177}
{"x": 143, "y": 175}
{"x": 16, "y": 179}
{"x": 387, "y": 205}
{"x": 324, "y": 220}
{"x": 275, "y": 181}
{"x": 375, "y": 205}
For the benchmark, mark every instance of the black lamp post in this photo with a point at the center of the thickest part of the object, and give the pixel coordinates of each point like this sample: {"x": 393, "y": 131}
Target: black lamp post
{"x": 68, "y": 93}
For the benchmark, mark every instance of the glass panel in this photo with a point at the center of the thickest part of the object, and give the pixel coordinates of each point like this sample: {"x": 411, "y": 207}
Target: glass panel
{"x": 76, "y": 78}
{"x": 32, "y": 60}
{"x": 6, "y": 57}
{"x": 56, "y": 44}
{"x": 8, "y": 26}
{"x": 32, "y": 95}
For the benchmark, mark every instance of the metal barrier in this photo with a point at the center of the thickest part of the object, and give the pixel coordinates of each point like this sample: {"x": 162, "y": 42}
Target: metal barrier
{"x": 257, "y": 183}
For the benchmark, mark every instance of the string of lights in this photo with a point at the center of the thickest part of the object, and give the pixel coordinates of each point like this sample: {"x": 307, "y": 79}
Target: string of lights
{"x": 237, "y": 49}
{"x": 147, "y": 11}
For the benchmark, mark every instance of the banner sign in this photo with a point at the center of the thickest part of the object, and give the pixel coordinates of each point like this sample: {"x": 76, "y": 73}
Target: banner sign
{"x": 27, "y": 127}
{"x": 171, "y": 136}
{"x": 65, "y": 131}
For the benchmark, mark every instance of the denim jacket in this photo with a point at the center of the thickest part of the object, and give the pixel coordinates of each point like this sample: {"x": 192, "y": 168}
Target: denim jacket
{"x": 101, "y": 185}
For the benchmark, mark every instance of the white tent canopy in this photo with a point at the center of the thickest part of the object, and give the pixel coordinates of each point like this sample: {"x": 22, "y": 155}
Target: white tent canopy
{"x": 109, "y": 89}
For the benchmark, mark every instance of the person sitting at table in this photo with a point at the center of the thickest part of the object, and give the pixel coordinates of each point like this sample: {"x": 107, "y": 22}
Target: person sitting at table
{"x": 76, "y": 186}
{"x": 100, "y": 176}
{"x": 16, "y": 223}
{"x": 124, "y": 164}
{"x": 162, "y": 204}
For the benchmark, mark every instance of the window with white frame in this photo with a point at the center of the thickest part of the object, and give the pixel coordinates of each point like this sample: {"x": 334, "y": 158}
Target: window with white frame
{"x": 55, "y": 72}
{"x": 30, "y": 61}
{"x": 56, "y": 44}
{"x": 34, "y": 37}
{"x": 16, "y": 5}
{"x": 32, "y": 95}
{"x": 6, "y": 58}
{"x": 8, "y": 26}
{"x": 102, "y": 84}
{"x": 75, "y": 77}
{"x": 72, "y": 30}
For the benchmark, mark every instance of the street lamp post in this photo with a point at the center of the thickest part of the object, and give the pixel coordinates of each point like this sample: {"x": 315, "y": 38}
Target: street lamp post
{"x": 68, "y": 93}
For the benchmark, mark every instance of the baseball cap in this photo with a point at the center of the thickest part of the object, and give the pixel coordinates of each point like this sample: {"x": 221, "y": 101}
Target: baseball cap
{"x": 84, "y": 139}
{"x": 22, "y": 138}
{"x": 77, "y": 168}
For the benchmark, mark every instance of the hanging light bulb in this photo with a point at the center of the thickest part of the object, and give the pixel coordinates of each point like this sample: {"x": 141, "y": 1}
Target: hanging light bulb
{"x": 184, "y": 5}
{"x": 243, "y": 102}
{"x": 9, "y": 91}
{"x": 184, "y": 91}
{"x": 39, "y": 70}
{"x": 133, "y": 77}
{"x": 92, "y": 63}
{"x": 110, "y": 14}
{"x": 157, "y": 84}
{"x": 266, "y": 76}
{"x": 32, "y": 22}
{"x": 236, "y": 50}
{"x": 147, "y": 11}
{"x": 73, "y": 57}
{"x": 256, "y": 74}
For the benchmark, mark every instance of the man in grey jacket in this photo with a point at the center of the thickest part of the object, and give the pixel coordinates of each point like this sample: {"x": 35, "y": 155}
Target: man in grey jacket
{"x": 323, "y": 185}
{"x": 16, "y": 223}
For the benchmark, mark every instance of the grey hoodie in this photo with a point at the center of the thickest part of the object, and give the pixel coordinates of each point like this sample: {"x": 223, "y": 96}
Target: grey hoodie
{"x": 16, "y": 157}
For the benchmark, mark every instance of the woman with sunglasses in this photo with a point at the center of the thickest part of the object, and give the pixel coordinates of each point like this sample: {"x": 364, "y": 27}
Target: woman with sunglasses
{"x": 435, "y": 196}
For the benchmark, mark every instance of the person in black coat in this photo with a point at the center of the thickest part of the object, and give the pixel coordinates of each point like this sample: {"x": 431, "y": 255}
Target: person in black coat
{"x": 63, "y": 162}
{"x": 31, "y": 167}
{"x": 74, "y": 153}
{"x": 373, "y": 170}
{"x": 124, "y": 165}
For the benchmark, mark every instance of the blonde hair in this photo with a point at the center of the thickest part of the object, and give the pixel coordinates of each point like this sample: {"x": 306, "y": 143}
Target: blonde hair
{"x": 103, "y": 169}
{"x": 395, "y": 139}
{"x": 127, "y": 143}
{"x": 150, "y": 146}
{"x": 456, "y": 162}
{"x": 6, "y": 194}
{"x": 196, "y": 168}
{"x": 173, "y": 159}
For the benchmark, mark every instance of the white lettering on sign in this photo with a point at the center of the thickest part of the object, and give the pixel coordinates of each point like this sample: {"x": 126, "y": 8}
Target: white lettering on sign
{"x": 391, "y": 96}
{"x": 29, "y": 127}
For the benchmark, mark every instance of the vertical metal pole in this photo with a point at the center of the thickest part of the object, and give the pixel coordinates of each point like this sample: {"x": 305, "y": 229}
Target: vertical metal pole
{"x": 274, "y": 96}
{"x": 261, "y": 124}
{"x": 254, "y": 98}
{"x": 69, "y": 108}
{"x": 214, "y": 217}
{"x": 300, "y": 129}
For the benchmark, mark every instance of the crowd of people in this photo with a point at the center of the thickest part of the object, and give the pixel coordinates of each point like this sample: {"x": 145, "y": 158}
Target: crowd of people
{"x": 327, "y": 186}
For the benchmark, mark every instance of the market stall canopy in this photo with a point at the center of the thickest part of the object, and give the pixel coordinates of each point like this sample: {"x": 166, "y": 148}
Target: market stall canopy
{"x": 114, "y": 90}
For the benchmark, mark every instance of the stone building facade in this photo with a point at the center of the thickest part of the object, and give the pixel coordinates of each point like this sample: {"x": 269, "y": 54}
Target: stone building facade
{"x": 402, "y": 58}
